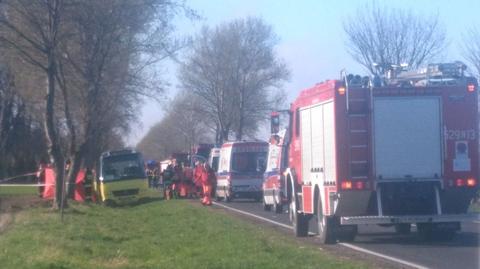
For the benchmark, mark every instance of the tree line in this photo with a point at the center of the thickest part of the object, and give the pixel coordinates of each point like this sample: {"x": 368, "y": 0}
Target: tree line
{"x": 74, "y": 74}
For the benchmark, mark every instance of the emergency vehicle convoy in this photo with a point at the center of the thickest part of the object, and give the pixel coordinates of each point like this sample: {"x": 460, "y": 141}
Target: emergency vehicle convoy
{"x": 240, "y": 170}
{"x": 388, "y": 151}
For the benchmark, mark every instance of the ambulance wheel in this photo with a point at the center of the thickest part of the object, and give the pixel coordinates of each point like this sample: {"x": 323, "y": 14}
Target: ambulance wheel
{"x": 299, "y": 221}
{"x": 228, "y": 197}
{"x": 277, "y": 207}
{"x": 403, "y": 228}
{"x": 326, "y": 225}
{"x": 266, "y": 206}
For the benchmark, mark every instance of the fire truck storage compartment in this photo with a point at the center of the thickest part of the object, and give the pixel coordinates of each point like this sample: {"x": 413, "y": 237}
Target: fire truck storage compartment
{"x": 407, "y": 138}
{"x": 318, "y": 142}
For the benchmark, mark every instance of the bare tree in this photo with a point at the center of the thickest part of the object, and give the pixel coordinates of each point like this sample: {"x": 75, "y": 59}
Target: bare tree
{"x": 379, "y": 37}
{"x": 188, "y": 120}
{"x": 471, "y": 49}
{"x": 32, "y": 30}
{"x": 234, "y": 72}
{"x": 102, "y": 75}
{"x": 182, "y": 127}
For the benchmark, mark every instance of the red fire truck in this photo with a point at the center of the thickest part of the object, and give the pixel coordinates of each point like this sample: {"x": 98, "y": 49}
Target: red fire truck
{"x": 397, "y": 151}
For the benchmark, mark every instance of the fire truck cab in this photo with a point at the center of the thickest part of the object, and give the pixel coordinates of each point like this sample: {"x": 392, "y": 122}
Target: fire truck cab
{"x": 395, "y": 151}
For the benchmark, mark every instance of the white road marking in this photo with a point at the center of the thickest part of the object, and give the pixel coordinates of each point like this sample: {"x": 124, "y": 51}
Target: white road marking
{"x": 476, "y": 221}
{"x": 400, "y": 261}
{"x": 255, "y": 216}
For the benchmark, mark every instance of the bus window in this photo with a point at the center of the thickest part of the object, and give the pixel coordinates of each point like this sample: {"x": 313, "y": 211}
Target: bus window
{"x": 120, "y": 167}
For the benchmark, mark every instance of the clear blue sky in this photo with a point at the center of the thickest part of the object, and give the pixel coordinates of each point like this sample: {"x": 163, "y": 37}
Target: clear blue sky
{"x": 312, "y": 41}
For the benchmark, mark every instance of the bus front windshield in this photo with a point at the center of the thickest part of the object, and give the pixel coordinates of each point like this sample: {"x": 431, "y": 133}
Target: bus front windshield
{"x": 128, "y": 166}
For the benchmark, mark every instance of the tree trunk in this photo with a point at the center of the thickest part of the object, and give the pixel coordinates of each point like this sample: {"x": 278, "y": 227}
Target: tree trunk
{"x": 241, "y": 119}
{"x": 54, "y": 150}
{"x": 76, "y": 161}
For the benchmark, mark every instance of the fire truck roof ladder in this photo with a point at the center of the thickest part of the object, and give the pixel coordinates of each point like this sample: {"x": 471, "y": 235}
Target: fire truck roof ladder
{"x": 358, "y": 102}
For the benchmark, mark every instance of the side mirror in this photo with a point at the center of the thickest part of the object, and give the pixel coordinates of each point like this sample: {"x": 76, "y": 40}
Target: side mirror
{"x": 274, "y": 122}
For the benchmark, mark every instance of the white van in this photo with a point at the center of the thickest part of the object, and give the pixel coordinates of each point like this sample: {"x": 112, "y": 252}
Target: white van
{"x": 240, "y": 171}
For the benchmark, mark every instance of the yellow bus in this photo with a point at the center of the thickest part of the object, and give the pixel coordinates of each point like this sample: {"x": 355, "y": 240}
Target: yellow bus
{"x": 121, "y": 178}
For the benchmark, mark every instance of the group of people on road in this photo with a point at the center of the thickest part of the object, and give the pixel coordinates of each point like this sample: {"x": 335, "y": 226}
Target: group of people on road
{"x": 189, "y": 182}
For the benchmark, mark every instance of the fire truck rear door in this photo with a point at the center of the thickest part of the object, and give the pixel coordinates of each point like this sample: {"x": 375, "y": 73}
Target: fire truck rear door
{"x": 407, "y": 137}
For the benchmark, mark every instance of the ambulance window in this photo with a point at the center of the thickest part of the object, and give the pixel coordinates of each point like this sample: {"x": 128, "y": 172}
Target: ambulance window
{"x": 215, "y": 163}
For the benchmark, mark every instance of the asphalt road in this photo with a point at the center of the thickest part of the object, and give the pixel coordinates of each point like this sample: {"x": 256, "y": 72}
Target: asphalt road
{"x": 462, "y": 252}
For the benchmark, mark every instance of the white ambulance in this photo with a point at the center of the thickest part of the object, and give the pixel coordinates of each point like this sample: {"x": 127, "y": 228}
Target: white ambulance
{"x": 240, "y": 171}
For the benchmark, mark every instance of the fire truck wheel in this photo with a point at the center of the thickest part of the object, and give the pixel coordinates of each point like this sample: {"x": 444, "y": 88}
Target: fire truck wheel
{"x": 326, "y": 225}
{"x": 403, "y": 228}
{"x": 299, "y": 221}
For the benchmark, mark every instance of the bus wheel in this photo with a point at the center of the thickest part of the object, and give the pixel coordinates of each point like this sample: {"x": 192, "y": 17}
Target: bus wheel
{"x": 109, "y": 203}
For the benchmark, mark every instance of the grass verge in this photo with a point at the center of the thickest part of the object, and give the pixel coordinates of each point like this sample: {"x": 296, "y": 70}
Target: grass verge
{"x": 6, "y": 190}
{"x": 159, "y": 234}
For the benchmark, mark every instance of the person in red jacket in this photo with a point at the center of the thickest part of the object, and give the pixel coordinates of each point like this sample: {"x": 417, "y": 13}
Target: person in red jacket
{"x": 206, "y": 176}
{"x": 197, "y": 174}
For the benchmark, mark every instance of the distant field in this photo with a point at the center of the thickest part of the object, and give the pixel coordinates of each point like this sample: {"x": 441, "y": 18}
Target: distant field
{"x": 158, "y": 234}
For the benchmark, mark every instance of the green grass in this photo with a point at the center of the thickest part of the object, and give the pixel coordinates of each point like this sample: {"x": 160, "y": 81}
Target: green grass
{"x": 18, "y": 190}
{"x": 159, "y": 234}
